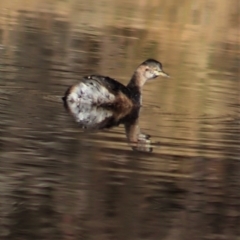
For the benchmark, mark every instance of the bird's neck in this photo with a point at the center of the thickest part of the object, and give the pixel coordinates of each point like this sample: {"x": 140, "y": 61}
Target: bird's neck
{"x": 137, "y": 80}
{"x": 135, "y": 86}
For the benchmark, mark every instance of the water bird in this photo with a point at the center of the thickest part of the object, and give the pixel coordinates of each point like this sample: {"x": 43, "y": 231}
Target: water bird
{"x": 104, "y": 91}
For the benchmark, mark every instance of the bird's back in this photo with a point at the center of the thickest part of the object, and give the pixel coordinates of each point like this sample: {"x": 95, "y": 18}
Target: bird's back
{"x": 97, "y": 90}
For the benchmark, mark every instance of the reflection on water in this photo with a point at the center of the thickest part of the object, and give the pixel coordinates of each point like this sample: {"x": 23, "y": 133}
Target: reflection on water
{"x": 90, "y": 117}
{"x": 58, "y": 181}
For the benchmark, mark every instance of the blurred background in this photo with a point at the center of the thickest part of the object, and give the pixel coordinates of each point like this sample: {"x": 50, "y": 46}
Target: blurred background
{"x": 59, "y": 182}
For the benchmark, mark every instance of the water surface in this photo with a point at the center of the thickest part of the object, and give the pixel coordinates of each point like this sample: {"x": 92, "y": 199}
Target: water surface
{"x": 58, "y": 181}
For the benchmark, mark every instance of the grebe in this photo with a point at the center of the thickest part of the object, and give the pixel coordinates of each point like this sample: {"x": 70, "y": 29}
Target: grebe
{"x": 106, "y": 92}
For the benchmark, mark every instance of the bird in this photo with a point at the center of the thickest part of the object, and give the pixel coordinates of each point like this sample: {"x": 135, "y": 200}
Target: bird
{"x": 103, "y": 91}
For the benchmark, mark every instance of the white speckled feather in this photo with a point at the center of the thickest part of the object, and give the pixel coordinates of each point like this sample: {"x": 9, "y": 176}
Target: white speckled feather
{"x": 90, "y": 92}
{"x": 87, "y": 115}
